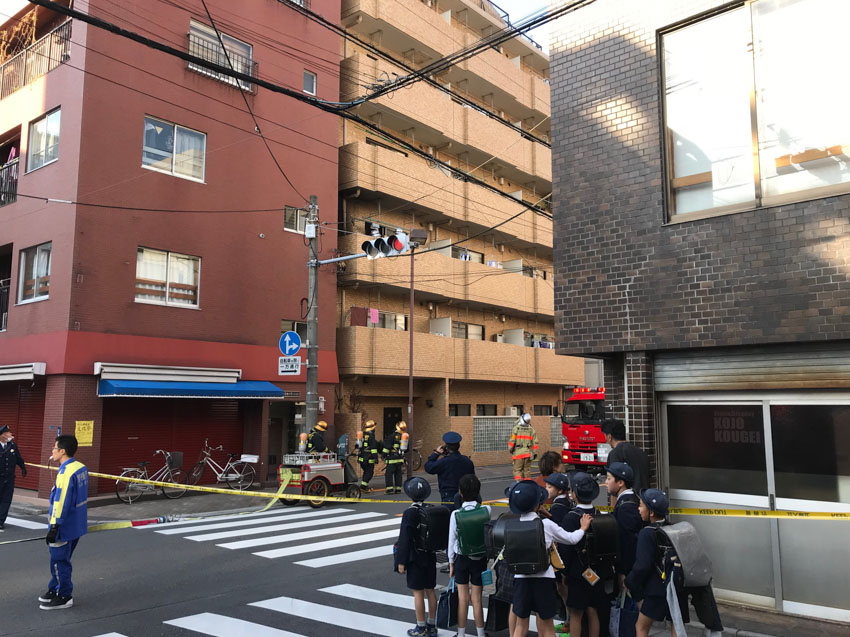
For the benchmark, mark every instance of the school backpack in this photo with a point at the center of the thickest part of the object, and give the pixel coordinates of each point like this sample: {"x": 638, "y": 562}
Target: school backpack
{"x": 470, "y": 530}
{"x": 600, "y": 546}
{"x": 432, "y": 531}
{"x": 525, "y": 547}
{"x": 494, "y": 535}
{"x": 680, "y": 545}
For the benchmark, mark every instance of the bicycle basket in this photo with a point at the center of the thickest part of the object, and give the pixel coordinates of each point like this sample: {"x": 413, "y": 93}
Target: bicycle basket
{"x": 175, "y": 460}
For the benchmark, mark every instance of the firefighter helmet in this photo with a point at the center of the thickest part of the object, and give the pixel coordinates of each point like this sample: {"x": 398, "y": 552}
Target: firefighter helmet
{"x": 525, "y": 418}
{"x": 401, "y": 426}
{"x": 369, "y": 425}
{"x": 321, "y": 425}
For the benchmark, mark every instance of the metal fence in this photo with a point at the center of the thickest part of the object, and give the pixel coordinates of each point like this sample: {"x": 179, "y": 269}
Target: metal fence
{"x": 213, "y": 52}
{"x": 36, "y": 60}
{"x": 4, "y": 303}
{"x": 9, "y": 183}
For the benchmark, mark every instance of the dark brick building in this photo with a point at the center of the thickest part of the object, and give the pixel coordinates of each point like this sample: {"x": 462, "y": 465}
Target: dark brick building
{"x": 701, "y": 179}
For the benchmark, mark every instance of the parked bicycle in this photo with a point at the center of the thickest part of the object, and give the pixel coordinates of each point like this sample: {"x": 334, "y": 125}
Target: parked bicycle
{"x": 238, "y": 474}
{"x": 169, "y": 472}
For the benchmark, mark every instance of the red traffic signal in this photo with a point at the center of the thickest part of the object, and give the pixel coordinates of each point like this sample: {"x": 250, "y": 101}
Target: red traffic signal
{"x": 386, "y": 246}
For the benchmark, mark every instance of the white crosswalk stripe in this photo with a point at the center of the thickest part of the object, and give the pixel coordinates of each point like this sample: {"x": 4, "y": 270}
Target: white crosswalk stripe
{"x": 217, "y": 518}
{"x": 26, "y": 524}
{"x": 223, "y": 626}
{"x": 299, "y": 524}
{"x": 305, "y": 535}
{"x": 342, "y": 558}
{"x": 299, "y": 549}
{"x": 232, "y": 524}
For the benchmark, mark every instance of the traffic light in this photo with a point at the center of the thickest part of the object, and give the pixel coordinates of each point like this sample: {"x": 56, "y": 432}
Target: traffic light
{"x": 386, "y": 246}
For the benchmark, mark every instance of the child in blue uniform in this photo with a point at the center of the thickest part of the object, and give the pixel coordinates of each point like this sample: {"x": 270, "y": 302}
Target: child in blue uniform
{"x": 420, "y": 567}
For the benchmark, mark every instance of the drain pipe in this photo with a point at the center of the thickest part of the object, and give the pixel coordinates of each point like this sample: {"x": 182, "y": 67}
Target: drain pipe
{"x": 626, "y": 393}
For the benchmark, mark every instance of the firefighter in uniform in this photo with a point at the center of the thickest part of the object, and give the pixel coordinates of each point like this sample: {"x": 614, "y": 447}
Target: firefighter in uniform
{"x": 394, "y": 460}
{"x": 368, "y": 456}
{"x": 10, "y": 457}
{"x": 449, "y": 465}
{"x": 316, "y": 438}
{"x": 523, "y": 447}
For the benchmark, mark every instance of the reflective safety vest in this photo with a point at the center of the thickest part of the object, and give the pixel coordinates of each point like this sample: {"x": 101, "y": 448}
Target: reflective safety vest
{"x": 523, "y": 442}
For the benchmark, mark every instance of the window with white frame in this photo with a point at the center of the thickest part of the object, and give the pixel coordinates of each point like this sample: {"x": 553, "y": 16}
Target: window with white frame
{"x": 34, "y": 273}
{"x": 173, "y": 149}
{"x": 204, "y": 43}
{"x": 295, "y": 219}
{"x": 390, "y": 321}
{"x": 756, "y": 82}
{"x": 43, "y": 141}
{"x": 167, "y": 278}
{"x": 309, "y": 82}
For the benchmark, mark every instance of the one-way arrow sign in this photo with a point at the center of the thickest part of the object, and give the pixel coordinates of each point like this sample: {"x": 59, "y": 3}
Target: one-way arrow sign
{"x": 289, "y": 343}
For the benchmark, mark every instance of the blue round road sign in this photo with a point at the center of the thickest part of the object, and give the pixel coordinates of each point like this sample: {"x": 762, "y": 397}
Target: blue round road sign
{"x": 289, "y": 343}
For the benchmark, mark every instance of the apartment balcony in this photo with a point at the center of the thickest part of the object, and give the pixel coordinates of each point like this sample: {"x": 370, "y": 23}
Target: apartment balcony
{"x": 9, "y": 182}
{"x": 437, "y": 119}
{"x": 38, "y": 59}
{"x": 440, "y": 196}
{"x": 364, "y": 351}
{"x": 442, "y": 277}
{"x": 421, "y": 34}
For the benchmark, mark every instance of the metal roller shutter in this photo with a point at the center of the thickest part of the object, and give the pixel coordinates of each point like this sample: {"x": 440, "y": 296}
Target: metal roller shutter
{"x": 22, "y": 408}
{"x": 807, "y": 366}
{"x": 134, "y": 428}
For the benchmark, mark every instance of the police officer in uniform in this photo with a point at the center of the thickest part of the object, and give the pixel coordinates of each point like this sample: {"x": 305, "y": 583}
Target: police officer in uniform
{"x": 394, "y": 459}
{"x": 9, "y": 458}
{"x": 368, "y": 457}
{"x": 447, "y": 463}
{"x": 618, "y": 482}
{"x": 316, "y": 438}
{"x": 523, "y": 447}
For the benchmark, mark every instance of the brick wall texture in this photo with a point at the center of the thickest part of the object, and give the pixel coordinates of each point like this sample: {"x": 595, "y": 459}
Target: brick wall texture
{"x": 625, "y": 280}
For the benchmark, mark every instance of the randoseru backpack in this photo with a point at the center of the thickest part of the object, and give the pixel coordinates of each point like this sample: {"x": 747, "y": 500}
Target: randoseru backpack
{"x": 525, "y": 547}
{"x": 470, "y": 531}
{"x": 600, "y": 545}
{"x": 679, "y": 546}
{"x": 432, "y": 532}
{"x": 494, "y": 535}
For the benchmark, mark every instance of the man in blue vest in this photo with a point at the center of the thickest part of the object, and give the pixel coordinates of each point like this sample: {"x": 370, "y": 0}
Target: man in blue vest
{"x": 68, "y": 522}
{"x": 10, "y": 458}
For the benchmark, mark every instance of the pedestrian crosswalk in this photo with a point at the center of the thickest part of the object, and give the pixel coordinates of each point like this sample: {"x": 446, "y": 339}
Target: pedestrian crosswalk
{"x": 292, "y": 533}
{"x": 27, "y": 524}
{"x": 382, "y": 613}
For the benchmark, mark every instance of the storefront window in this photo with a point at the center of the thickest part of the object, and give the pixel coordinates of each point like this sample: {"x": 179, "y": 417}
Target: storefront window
{"x": 811, "y": 451}
{"x": 717, "y": 448}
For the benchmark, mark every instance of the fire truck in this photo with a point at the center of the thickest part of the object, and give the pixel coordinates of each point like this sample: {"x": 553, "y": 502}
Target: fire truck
{"x": 581, "y": 424}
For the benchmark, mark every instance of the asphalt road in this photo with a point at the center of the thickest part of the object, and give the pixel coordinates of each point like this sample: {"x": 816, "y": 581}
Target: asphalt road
{"x": 331, "y": 574}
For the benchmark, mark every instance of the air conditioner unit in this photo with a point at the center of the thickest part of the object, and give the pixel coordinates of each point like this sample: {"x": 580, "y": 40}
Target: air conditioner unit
{"x": 511, "y": 411}
{"x": 498, "y": 338}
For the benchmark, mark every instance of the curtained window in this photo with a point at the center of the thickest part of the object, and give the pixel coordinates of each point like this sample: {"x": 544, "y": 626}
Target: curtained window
{"x": 167, "y": 277}
{"x": 173, "y": 149}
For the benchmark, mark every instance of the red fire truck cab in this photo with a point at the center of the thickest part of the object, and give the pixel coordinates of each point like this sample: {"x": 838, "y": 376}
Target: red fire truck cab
{"x": 581, "y": 424}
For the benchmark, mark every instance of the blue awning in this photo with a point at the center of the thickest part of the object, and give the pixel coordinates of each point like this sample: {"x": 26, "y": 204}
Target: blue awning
{"x": 173, "y": 389}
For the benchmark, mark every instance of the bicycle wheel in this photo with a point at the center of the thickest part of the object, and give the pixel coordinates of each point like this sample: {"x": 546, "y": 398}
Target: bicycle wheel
{"x": 129, "y": 491}
{"x": 415, "y": 460}
{"x": 196, "y": 473}
{"x": 241, "y": 476}
{"x": 178, "y": 477}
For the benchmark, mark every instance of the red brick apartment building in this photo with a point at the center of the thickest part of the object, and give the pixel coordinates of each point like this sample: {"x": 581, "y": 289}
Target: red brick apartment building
{"x": 178, "y": 274}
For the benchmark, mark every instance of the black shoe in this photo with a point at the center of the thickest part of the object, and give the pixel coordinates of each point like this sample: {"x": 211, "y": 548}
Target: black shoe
{"x": 58, "y": 602}
{"x": 47, "y": 597}
{"x": 2, "y": 527}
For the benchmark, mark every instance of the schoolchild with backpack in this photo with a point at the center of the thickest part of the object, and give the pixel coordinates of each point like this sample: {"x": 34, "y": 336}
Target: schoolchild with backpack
{"x": 467, "y": 552}
{"x": 619, "y": 481}
{"x": 558, "y": 487}
{"x": 527, "y": 548}
{"x": 586, "y": 589}
{"x": 415, "y": 561}
{"x": 644, "y": 581}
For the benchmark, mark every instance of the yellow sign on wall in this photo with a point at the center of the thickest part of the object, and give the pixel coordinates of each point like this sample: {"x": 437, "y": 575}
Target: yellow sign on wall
{"x": 85, "y": 432}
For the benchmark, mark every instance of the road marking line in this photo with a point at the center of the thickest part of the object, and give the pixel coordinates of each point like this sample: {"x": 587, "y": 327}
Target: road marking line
{"x": 27, "y": 524}
{"x": 223, "y": 626}
{"x": 241, "y": 523}
{"x": 306, "y": 535}
{"x": 217, "y": 518}
{"x": 328, "y": 544}
{"x": 361, "y": 593}
{"x": 342, "y": 558}
{"x": 111, "y": 635}
{"x": 283, "y": 527}
{"x": 340, "y": 617}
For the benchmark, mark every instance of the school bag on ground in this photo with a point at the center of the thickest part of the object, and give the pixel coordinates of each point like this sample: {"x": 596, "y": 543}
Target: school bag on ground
{"x": 432, "y": 531}
{"x": 470, "y": 531}
{"x": 525, "y": 547}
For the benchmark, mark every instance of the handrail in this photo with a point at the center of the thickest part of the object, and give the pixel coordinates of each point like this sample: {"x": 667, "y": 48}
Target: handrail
{"x": 38, "y": 59}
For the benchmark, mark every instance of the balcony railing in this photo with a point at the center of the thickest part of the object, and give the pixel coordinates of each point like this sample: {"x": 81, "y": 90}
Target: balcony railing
{"x": 36, "y": 60}
{"x": 214, "y": 53}
{"x": 4, "y": 303}
{"x": 9, "y": 183}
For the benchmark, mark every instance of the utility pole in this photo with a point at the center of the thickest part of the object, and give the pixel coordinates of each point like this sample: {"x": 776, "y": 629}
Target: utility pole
{"x": 417, "y": 238}
{"x": 312, "y": 234}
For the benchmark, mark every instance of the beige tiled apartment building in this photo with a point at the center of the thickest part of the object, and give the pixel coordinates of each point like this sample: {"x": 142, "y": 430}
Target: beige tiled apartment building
{"x": 483, "y": 317}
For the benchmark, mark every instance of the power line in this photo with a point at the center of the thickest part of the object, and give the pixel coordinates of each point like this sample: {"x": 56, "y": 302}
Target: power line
{"x": 136, "y": 208}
